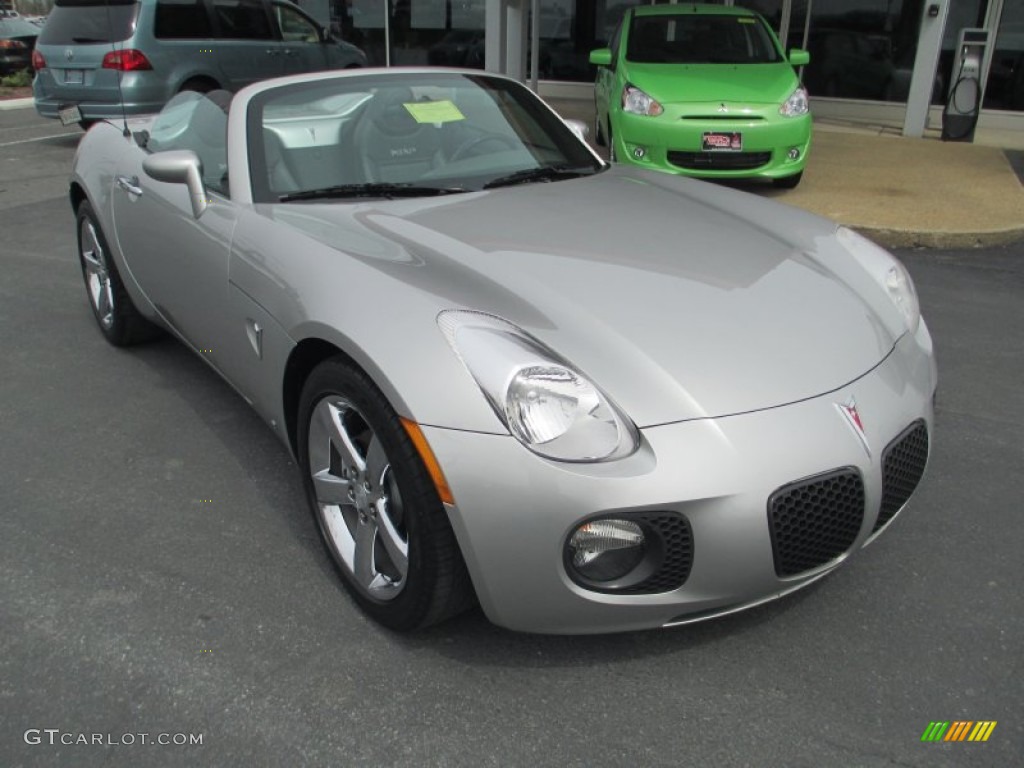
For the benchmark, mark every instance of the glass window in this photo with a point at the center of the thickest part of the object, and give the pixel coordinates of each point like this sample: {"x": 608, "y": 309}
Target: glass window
{"x": 361, "y": 22}
{"x": 242, "y": 20}
{"x": 433, "y": 132}
{"x": 1005, "y": 89}
{"x": 700, "y": 39}
{"x": 198, "y": 122}
{"x": 89, "y": 21}
{"x": 181, "y": 20}
{"x": 295, "y": 28}
{"x": 862, "y": 49}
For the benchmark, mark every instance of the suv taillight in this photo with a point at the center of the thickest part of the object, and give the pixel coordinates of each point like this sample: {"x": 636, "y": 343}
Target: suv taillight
{"x": 38, "y": 62}
{"x": 127, "y": 60}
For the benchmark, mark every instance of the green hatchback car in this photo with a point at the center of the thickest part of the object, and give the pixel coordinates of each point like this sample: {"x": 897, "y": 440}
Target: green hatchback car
{"x": 703, "y": 90}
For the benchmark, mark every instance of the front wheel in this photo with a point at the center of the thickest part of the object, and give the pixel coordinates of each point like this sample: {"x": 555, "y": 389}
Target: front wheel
{"x": 119, "y": 321}
{"x": 376, "y": 505}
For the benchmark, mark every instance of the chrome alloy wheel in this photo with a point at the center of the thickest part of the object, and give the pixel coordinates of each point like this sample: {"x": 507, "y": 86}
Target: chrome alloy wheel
{"x": 357, "y": 497}
{"x": 97, "y": 274}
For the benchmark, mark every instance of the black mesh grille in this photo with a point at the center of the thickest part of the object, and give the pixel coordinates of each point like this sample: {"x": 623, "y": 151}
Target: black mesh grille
{"x": 815, "y": 520}
{"x": 902, "y": 468}
{"x": 719, "y": 161}
{"x": 677, "y": 543}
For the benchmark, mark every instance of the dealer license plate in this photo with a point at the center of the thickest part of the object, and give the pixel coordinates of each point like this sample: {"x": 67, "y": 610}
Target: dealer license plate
{"x": 722, "y": 142}
{"x": 70, "y": 115}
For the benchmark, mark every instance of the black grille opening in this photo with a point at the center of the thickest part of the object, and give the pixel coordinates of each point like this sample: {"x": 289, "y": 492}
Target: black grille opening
{"x": 903, "y": 463}
{"x": 815, "y": 520}
{"x": 719, "y": 161}
{"x": 677, "y": 552}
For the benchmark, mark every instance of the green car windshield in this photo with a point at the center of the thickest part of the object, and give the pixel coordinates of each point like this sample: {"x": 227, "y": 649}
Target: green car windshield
{"x": 688, "y": 38}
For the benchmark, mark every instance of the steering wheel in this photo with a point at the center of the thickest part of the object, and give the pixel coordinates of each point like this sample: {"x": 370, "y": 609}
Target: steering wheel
{"x": 471, "y": 143}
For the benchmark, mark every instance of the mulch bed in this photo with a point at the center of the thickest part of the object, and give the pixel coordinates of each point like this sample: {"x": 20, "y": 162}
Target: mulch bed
{"x": 15, "y": 93}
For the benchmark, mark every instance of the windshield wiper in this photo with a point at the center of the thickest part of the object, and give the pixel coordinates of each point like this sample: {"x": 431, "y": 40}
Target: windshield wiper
{"x": 376, "y": 189}
{"x": 547, "y": 173}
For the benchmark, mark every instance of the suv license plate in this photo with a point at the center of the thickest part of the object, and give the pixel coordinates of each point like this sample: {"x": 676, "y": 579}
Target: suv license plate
{"x": 69, "y": 115}
{"x": 74, "y": 76}
{"x": 722, "y": 142}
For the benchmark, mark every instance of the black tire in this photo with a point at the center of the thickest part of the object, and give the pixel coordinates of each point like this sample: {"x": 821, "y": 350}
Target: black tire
{"x": 435, "y": 584}
{"x": 598, "y": 132}
{"x": 788, "y": 182}
{"x": 117, "y": 317}
{"x": 199, "y": 85}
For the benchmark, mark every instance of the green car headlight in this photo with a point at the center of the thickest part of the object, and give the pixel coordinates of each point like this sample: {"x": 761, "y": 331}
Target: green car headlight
{"x": 797, "y": 104}
{"x": 636, "y": 102}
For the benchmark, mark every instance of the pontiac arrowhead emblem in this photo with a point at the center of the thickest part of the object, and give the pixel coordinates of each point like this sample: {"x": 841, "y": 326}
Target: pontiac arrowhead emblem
{"x": 852, "y": 416}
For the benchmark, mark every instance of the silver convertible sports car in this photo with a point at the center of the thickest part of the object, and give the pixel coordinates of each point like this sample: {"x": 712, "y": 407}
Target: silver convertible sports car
{"x": 589, "y": 398}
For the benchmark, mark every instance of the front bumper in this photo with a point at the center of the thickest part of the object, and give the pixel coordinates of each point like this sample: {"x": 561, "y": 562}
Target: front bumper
{"x": 514, "y": 510}
{"x": 672, "y": 141}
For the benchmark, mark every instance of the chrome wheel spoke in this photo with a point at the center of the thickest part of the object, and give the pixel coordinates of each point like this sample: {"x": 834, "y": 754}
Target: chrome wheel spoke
{"x": 334, "y": 413}
{"x": 363, "y": 565}
{"x": 396, "y": 546}
{"x": 331, "y": 489}
{"x": 376, "y": 463}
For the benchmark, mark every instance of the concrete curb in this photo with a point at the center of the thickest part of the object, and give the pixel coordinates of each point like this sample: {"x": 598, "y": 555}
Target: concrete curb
{"x": 16, "y": 103}
{"x": 897, "y": 238}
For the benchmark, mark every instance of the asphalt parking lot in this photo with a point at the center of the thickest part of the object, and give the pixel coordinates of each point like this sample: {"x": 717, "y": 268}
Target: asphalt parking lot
{"x": 162, "y": 576}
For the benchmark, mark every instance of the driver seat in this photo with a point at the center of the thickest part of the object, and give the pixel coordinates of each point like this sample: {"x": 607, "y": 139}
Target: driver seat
{"x": 391, "y": 144}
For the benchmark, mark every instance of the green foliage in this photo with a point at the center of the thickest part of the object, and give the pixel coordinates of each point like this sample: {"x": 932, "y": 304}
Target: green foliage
{"x": 17, "y": 80}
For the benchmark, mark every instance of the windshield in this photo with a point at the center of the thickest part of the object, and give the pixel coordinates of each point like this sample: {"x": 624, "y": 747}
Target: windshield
{"x": 687, "y": 38}
{"x": 386, "y": 135}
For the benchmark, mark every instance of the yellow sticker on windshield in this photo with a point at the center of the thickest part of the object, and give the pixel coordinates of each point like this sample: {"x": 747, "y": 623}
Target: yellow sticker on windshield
{"x": 434, "y": 111}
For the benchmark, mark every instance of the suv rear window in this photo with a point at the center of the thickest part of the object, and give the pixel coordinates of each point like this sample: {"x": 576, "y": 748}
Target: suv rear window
{"x": 89, "y": 21}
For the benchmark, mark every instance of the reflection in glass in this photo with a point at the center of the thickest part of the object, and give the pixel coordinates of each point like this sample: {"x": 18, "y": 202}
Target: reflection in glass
{"x": 1005, "y": 88}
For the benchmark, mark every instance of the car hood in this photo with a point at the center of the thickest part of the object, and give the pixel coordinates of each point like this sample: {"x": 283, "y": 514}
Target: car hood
{"x": 745, "y": 83}
{"x": 681, "y": 299}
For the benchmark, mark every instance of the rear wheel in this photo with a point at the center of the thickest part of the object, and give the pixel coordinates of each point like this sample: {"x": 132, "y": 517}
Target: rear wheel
{"x": 375, "y": 502}
{"x": 199, "y": 85}
{"x": 118, "y": 319}
{"x": 788, "y": 182}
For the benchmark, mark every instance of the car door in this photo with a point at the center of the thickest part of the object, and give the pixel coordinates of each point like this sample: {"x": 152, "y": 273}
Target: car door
{"x": 247, "y": 45}
{"x": 302, "y": 47}
{"x": 179, "y": 262}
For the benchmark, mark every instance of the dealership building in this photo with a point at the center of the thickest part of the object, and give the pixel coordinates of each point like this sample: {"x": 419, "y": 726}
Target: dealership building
{"x": 887, "y": 61}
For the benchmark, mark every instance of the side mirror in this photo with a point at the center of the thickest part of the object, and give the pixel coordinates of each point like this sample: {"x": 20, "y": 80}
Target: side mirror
{"x": 798, "y": 57}
{"x": 180, "y": 166}
{"x": 602, "y": 57}
{"x": 579, "y": 128}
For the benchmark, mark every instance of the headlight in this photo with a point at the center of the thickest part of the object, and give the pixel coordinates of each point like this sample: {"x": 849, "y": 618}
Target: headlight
{"x": 796, "y": 104}
{"x": 546, "y": 403}
{"x": 888, "y": 272}
{"x": 636, "y": 102}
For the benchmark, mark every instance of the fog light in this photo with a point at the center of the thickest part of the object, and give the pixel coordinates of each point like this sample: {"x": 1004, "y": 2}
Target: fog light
{"x": 606, "y": 550}
{"x": 639, "y": 153}
{"x": 794, "y": 153}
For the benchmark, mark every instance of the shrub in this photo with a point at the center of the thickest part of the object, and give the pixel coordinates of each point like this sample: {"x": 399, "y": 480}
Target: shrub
{"x": 17, "y": 80}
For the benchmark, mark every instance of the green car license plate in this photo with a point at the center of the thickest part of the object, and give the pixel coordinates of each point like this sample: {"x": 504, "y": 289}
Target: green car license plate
{"x": 718, "y": 141}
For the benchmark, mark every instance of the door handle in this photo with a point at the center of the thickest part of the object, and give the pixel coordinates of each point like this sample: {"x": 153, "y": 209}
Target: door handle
{"x": 273, "y": 52}
{"x": 289, "y": 52}
{"x": 129, "y": 185}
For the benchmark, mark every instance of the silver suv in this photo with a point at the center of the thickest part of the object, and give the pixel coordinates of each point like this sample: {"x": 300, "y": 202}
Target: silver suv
{"x": 97, "y": 59}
